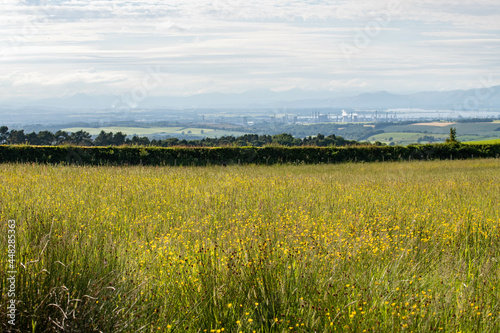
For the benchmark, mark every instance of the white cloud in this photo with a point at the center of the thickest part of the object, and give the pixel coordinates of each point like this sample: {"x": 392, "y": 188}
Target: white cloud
{"x": 235, "y": 45}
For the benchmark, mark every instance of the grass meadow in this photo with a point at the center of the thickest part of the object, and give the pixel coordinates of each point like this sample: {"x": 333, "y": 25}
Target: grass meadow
{"x": 368, "y": 247}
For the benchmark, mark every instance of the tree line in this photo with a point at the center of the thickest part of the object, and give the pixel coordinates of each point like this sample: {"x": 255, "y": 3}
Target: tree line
{"x": 83, "y": 138}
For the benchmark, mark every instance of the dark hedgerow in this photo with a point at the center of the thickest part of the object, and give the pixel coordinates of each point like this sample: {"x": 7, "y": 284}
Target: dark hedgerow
{"x": 184, "y": 156}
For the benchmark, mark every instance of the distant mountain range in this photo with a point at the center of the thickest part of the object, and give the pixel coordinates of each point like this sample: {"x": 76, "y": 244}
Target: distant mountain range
{"x": 472, "y": 99}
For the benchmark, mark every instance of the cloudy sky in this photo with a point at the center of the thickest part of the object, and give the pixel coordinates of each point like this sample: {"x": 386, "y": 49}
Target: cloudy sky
{"x": 177, "y": 47}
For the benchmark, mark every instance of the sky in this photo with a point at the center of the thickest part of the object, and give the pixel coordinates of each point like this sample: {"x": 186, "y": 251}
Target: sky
{"x": 180, "y": 48}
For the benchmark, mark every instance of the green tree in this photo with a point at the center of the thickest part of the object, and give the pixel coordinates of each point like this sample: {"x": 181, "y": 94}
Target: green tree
{"x": 81, "y": 138}
{"x": 104, "y": 139}
{"x": 16, "y": 137}
{"x": 453, "y": 136}
{"x": 4, "y": 134}
{"x": 142, "y": 141}
{"x": 61, "y": 137}
{"x": 285, "y": 139}
{"x": 118, "y": 139}
{"x": 32, "y": 139}
{"x": 45, "y": 138}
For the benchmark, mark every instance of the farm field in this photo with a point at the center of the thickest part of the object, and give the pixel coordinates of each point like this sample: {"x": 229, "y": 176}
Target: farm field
{"x": 462, "y": 128}
{"x": 486, "y": 142}
{"x": 375, "y": 247}
{"x": 411, "y": 133}
{"x": 404, "y": 138}
{"x": 145, "y": 131}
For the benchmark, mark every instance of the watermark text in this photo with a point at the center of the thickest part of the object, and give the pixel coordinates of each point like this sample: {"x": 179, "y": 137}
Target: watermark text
{"x": 11, "y": 273}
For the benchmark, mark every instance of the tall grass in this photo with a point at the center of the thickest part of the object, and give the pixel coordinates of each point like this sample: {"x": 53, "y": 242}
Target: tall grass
{"x": 354, "y": 247}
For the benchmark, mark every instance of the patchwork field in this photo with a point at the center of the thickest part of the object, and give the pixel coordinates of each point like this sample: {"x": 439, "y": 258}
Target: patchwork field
{"x": 438, "y": 124}
{"x": 486, "y": 142}
{"x": 158, "y": 131}
{"x": 379, "y": 247}
{"x": 411, "y": 133}
{"x": 404, "y": 139}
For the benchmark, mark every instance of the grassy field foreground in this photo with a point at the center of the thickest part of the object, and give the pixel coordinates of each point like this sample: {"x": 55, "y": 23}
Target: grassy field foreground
{"x": 381, "y": 247}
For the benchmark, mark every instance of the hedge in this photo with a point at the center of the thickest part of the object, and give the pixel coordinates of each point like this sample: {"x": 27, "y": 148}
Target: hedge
{"x": 238, "y": 155}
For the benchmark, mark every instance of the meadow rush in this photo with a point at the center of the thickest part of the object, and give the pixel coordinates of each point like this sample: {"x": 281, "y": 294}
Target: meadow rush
{"x": 382, "y": 247}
